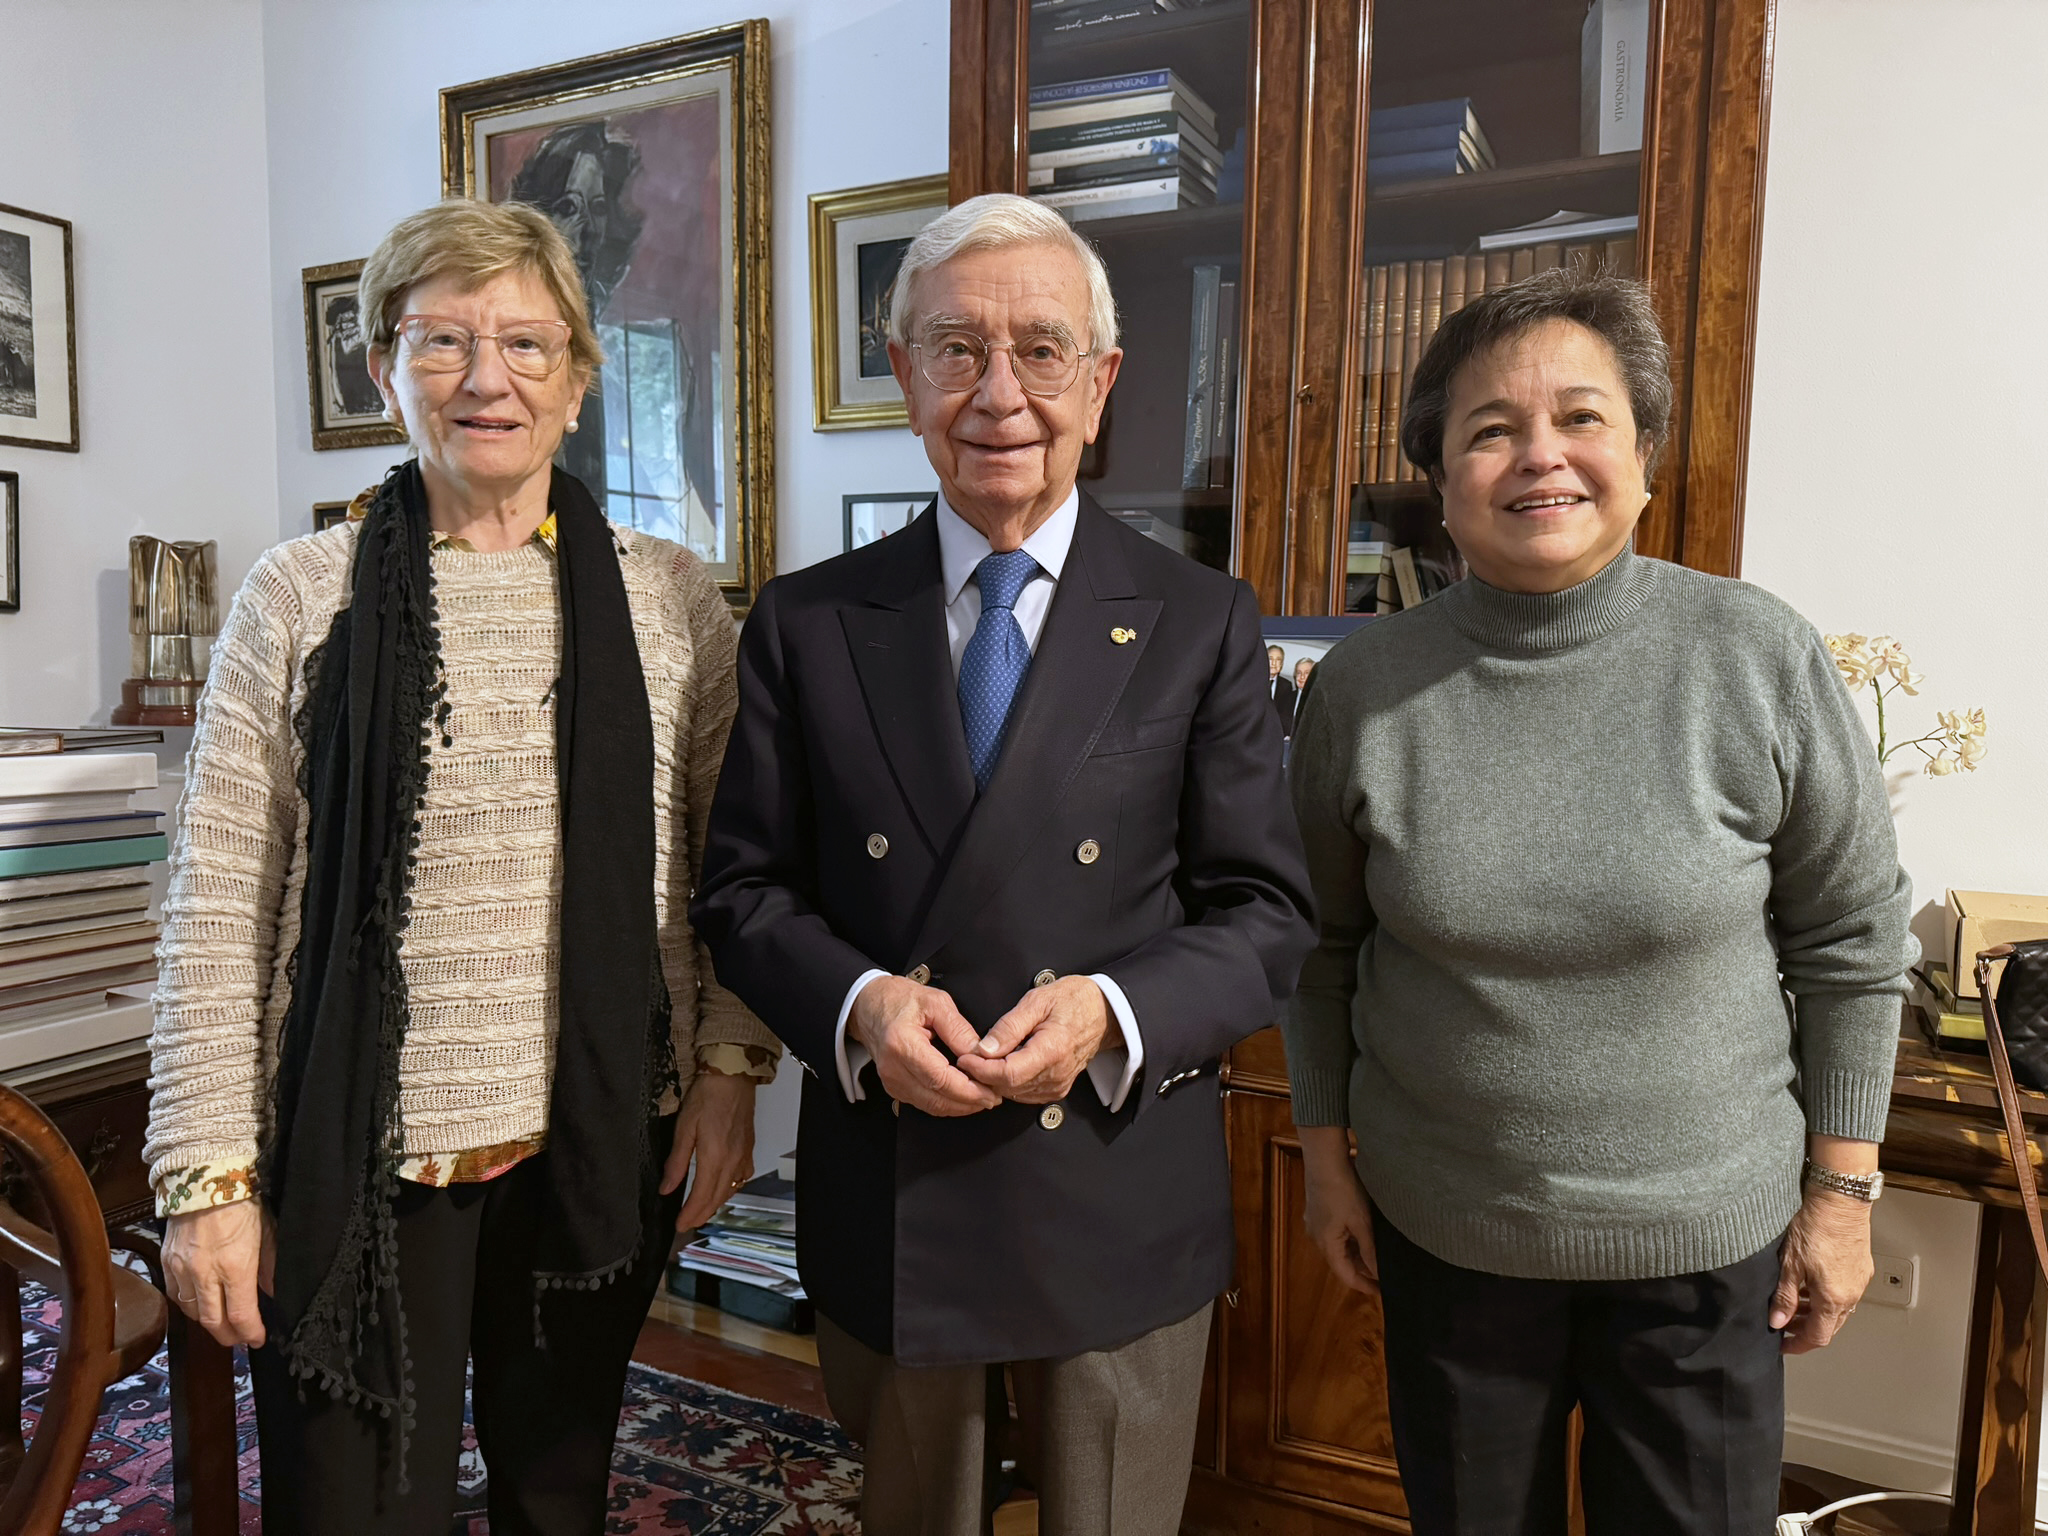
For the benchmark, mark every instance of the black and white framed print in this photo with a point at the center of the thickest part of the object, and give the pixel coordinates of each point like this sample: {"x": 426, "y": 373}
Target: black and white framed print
{"x": 858, "y": 239}
{"x": 38, "y": 333}
{"x": 878, "y": 515}
{"x": 347, "y": 410}
{"x": 327, "y": 513}
{"x": 10, "y": 542}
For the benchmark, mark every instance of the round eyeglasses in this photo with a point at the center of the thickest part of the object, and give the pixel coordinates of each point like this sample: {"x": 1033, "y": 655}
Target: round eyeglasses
{"x": 532, "y": 349}
{"x": 1045, "y": 364}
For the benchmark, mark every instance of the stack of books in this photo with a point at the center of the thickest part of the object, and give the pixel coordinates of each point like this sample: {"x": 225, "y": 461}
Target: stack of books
{"x": 1428, "y": 138}
{"x": 1958, "y": 1021}
{"x": 743, "y": 1261}
{"x": 1122, "y": 144}
{"x": 75, "y": 856}
{"x": 1405, "y": 302}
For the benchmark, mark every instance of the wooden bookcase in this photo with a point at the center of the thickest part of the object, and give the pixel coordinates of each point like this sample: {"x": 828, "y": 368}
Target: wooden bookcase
{"x": 1294, "y": 1426}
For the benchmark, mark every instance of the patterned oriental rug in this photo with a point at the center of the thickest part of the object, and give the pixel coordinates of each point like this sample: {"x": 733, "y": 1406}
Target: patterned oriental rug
{"x": 691, "y": 1458}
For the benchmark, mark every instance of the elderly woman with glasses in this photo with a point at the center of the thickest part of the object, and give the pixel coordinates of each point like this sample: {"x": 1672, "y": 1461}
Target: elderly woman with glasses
{"x": 435, "y": 1046}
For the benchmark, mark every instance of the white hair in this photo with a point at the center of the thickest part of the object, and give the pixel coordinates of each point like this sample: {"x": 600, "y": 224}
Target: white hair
{"x": 997, "y": 221}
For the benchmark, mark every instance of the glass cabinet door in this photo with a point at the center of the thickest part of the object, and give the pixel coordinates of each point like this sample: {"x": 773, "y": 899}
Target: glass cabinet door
{"x": 1503, "y": 137}
{"x": 1136, "y": 132}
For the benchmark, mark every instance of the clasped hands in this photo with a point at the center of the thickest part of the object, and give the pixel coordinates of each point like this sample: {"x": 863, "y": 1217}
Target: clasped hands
{"x": 1032, "y": 1055}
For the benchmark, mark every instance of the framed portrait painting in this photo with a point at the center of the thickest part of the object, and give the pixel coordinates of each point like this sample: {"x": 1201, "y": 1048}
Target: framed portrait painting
{"x": 857, "y": 243}
{"x": 38, "y": 333}
{"x": 10, "y": 541}
{"x": 876, "y": 516}
{"x": 653, "y": 161}
{"x": 347, "y": 410}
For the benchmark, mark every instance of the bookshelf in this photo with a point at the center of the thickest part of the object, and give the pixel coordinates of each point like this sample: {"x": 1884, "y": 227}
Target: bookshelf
{"x": 1288, "y": 1440}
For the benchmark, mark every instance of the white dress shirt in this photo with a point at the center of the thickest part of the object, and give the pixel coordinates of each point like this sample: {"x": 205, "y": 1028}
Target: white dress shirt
{"x": 961, "y": 548}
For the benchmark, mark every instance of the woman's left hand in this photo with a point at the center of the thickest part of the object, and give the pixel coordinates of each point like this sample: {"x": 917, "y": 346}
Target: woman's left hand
{"x": 1825, "y": 1269}
{"x": 716, "y": 1128}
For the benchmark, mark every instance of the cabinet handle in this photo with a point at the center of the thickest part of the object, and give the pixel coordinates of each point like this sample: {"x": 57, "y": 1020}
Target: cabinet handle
{"x": 1231, "y": 1296}
{"x": 1306, "y": 393}
{"x": 106, "y": 1141}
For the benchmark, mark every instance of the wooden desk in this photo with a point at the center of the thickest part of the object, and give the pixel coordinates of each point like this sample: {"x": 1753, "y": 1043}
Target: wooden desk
{"x": 1945, "y": 1137}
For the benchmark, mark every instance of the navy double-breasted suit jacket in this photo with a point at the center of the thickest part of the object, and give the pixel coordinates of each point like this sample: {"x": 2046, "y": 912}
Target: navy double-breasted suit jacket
{"x": 993, "y": 1237}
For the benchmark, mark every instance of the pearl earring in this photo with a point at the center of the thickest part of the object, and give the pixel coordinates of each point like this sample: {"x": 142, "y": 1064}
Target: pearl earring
{"x": 574, "y": 426}
{"x": 390, "y": 414}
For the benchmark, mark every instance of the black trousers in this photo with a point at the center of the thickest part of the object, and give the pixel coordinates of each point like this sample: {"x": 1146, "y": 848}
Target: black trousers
{"x": 1681, "y": 1380}
{"x": 545, "y": 1419}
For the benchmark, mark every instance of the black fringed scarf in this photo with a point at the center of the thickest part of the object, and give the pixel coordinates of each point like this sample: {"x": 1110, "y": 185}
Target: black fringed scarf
{"x": 329, "y": 1172}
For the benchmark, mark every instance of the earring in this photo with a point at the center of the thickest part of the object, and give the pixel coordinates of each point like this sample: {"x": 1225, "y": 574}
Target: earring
{"x": 574, "y": 425}
{"x": 390, "y": 413}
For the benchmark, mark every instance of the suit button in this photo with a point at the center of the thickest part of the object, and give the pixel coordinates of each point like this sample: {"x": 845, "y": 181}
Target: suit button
{"x": 1089, "y": 851}
{"x": 920, "y": 975}
{"x": 877, "y": 845}
{"x": 1052, "y": 1117}
{"x": 1044, "y": 979}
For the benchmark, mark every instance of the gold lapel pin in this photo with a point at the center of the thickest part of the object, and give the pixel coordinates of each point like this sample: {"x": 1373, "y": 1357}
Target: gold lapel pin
{"x": 1123, "y": 636}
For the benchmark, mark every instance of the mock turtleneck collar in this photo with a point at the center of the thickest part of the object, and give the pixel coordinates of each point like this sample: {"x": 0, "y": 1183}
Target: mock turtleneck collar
{"x": 1552, "y": 621}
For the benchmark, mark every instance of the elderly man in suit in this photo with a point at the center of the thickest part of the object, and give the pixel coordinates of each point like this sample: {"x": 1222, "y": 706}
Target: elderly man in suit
{"x": 1001, "y": 850}
{"x": 1279, "y": 689}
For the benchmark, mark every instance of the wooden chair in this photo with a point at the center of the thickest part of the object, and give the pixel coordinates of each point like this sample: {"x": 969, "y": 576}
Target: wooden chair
{"x": 113, "y": 1321}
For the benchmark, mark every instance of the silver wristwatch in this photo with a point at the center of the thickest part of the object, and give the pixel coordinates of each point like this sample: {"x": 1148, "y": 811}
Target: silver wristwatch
{"x": 1857, "y": 1186}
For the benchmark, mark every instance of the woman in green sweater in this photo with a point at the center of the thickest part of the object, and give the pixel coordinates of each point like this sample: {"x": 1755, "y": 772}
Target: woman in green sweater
{"x": 1577, "y": 827}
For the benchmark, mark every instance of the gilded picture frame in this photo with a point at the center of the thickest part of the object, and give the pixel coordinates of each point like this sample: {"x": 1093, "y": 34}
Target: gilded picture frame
{"x": 857, "y": 242}
{"x": 653, "y": 160}
{"x": 38, "y": 332}
{"x": 347, "y": 411}
{"x": 329, "y": 514}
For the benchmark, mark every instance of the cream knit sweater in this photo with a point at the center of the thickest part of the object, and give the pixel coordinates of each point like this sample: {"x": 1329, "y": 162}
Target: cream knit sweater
{"x": 480, "y": 953}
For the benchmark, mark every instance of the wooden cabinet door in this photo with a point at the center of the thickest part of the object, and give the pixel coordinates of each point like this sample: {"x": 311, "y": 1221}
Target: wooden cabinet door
{"x": 1306, "y": 1404}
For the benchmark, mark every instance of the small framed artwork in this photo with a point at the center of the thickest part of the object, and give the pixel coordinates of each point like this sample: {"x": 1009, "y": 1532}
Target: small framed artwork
{"x": 347, "y": 410}
{"x": 38, "y": 333}
{"x": 873, "y": 517}
{"x": 857, "y": 243}
{"x": 653, "y": 162}
{"x": 1294, "y": 648}
{"x": 327, "y": 513}
{"x": 10, "y": 541}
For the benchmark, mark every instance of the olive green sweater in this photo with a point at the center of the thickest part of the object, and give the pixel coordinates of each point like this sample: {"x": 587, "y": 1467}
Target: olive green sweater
{"x": 1571, "y": 851}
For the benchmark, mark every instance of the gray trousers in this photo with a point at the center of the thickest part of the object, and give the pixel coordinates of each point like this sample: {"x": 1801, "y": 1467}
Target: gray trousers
{"x": 1109, "y": 1435}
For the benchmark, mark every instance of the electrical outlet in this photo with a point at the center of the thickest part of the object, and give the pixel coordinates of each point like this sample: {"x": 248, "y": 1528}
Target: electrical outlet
{"x": 1896, "y": 1283}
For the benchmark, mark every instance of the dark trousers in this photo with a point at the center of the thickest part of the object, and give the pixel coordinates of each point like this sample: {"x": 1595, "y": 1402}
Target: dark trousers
{"x": 1681, "y": 1380}
{"x": 545, "y": 1419}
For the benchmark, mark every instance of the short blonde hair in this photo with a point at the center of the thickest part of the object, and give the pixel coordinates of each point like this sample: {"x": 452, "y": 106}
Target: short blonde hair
{"x": 472, "y": 242}
{"x": 997, "y": 221}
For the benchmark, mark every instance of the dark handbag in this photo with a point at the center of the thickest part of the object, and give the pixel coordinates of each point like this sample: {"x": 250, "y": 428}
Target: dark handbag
{"x": 2016, "y": 1031}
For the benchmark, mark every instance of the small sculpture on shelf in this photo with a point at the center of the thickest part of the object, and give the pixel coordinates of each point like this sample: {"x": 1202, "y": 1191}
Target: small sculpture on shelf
{"x": 173, "y": 614}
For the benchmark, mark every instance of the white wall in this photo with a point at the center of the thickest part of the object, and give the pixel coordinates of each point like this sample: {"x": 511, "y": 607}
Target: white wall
{"x": 857, "y": 94}
{"x": 163, "y": 180}
{"x": 1895, "y": 486}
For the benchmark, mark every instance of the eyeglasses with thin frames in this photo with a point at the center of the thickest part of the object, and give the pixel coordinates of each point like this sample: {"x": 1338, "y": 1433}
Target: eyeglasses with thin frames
{"x": 1046, "y": 365}
{"x": 532, "y": 349}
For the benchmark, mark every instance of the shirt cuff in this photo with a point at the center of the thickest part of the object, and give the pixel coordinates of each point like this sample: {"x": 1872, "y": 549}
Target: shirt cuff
{"x": 733, "y": 1060}
{"x": 850, "y": 1055}
{"x": 181, "y": 1191}
{"x": 1113, "y": 1071}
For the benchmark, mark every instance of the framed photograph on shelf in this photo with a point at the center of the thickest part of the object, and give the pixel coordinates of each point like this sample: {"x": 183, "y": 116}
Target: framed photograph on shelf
{"x": 10, "y": 541}
{"x": 38, "y": 333}
{"x": 653, "y": 161}
{"x": 327, "y": 513}
{"x": 1301, "y": 644}
{"x": 347, "y": 410}
{"x": 876, "y": 516}
{"x": 858, "y": 239}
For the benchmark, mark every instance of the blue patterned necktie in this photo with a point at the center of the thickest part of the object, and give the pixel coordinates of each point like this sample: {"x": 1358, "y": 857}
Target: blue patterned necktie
{"x": 993, "y": 666}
